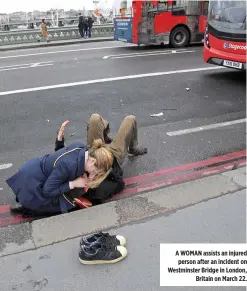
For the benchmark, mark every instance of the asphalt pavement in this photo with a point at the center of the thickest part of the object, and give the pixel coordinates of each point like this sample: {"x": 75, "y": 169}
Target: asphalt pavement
{"x": 56, "y": 267}
{"x": 40, "y": 88}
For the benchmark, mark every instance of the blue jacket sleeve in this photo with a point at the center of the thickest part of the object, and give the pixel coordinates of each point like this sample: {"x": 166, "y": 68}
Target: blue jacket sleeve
{"x": 58, "y": 182}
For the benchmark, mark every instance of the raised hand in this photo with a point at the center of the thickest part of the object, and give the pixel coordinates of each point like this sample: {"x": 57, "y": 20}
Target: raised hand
{"x": 60, "y": 135}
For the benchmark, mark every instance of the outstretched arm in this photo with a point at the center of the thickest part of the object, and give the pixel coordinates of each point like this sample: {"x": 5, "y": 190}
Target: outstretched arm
{"x": 59, "y": 143}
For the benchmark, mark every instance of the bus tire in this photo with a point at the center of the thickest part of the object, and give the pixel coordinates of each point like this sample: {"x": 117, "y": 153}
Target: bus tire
{"x": 180, "y": 37}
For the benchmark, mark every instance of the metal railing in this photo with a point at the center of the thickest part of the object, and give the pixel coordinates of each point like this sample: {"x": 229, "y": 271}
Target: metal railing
{"x": 61, "y": 33}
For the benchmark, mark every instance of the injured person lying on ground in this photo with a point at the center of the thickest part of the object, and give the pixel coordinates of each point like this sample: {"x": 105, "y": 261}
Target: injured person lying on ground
{"x": 78, "y": 175}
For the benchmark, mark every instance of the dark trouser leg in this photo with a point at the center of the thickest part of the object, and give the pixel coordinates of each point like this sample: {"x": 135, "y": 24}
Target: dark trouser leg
{"x": 86, "y": 32}
{"x": 81, "y": 32}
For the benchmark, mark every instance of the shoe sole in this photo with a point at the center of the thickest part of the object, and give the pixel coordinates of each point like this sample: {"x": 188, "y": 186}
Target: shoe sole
{"x": 99, "y": 262}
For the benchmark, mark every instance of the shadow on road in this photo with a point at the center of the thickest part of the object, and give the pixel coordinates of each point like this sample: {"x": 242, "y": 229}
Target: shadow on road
{"x": 236, "y": 77}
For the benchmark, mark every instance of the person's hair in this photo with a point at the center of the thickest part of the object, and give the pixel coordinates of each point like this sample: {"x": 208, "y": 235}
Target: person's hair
{"x": 43, "y": 20}
{"x": 104, "y": 161}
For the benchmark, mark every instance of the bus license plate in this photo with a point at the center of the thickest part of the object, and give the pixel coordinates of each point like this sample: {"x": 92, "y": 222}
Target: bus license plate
{"x": 232, "y": 64}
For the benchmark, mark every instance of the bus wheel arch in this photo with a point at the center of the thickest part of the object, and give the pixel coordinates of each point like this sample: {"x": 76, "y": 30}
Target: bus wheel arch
{"x": 180, "y": 36}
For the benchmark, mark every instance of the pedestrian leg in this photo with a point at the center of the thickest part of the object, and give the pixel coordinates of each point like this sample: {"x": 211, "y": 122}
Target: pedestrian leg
{"x": 126, "y": 140}
{"x": 81, "y": 32}
{"x": 96, "y": 128}
{"x": 86, "y": 32}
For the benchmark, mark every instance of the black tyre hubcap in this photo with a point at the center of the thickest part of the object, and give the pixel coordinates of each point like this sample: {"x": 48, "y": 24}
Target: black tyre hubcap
{"x": 179, "y": 37}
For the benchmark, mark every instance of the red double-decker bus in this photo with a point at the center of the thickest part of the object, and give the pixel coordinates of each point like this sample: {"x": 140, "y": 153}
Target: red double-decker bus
{"x": 161, "y": 22}
{"x": 225, "y": 35}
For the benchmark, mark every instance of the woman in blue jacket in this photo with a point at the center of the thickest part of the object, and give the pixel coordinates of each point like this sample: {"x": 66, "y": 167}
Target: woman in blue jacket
{"x": 40, "y": 183}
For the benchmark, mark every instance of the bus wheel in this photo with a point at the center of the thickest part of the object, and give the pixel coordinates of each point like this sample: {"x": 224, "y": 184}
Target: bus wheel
{"x": 179, "y": 37}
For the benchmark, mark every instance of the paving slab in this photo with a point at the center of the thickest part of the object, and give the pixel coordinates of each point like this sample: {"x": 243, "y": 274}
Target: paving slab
{"x": 61, "y": 227}
{"x": 15, "y": 238}
{"x": 194, "y": 192}
{"x": 239, "y": 177}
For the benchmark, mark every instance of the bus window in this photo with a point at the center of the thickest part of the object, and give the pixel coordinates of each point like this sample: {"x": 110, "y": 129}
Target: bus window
{"x": 163, "y": 4}
{"x": 187, "y": 8}
{"x": 205, "y": 9}
{"x": 177, "y": 9}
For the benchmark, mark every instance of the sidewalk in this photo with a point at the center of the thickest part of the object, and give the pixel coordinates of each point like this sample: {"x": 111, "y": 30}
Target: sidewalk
{"x": 211, "y": 209}
{"x": 53, "y": 43}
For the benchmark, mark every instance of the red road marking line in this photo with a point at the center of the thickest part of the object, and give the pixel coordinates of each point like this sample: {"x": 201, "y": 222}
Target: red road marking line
{"x": 179, "y": 179}
{"x": 4, "y": 208}
{"x": 5, "y": 221}
{"x": 182, "y": 168}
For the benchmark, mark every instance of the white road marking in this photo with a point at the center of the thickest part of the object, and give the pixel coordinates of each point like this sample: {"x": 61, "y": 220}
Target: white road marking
{"x": 105, "y": 80}
{"x": 134, "y": 55}
{"x": 19, "y": 67}
{"x": 5, "y": 166}
{"x": 206, "y": 127}
{"x": 36, "y": 65}
{"x": 13, "y": 69}
{"x": 152, "y": 54}
{"x": 161, "y": 51}
{"x": 67, "y": 51}
{"x": 22, "y": 65}
{"x": 42, "y": 65}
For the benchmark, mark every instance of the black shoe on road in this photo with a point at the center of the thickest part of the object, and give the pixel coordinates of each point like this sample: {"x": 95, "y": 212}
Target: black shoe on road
{"x": 138, "y": 151}
{"x": 101, "y": 254}
{"x": 103, "y": 238}
{"x": 107, "y": 139}
{"x": 16, "y": 209}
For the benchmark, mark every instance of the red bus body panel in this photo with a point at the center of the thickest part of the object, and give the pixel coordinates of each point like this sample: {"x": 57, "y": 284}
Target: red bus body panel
{"x": 166, "y": 22}
{"x": 158, "y": 24}
{"x": 225, "y": 35}
{"x": 218, "y": 50}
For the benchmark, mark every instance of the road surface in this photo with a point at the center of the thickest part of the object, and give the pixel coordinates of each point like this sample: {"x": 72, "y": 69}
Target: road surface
{"x": 40, "y": 88}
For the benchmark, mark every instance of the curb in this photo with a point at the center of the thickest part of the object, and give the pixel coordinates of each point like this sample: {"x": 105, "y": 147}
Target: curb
{"x": 43, "y": 232}
{"x": 53, "y": 44}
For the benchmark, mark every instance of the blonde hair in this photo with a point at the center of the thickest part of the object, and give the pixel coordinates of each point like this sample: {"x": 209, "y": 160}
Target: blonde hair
{"x": 104, "y": 161}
